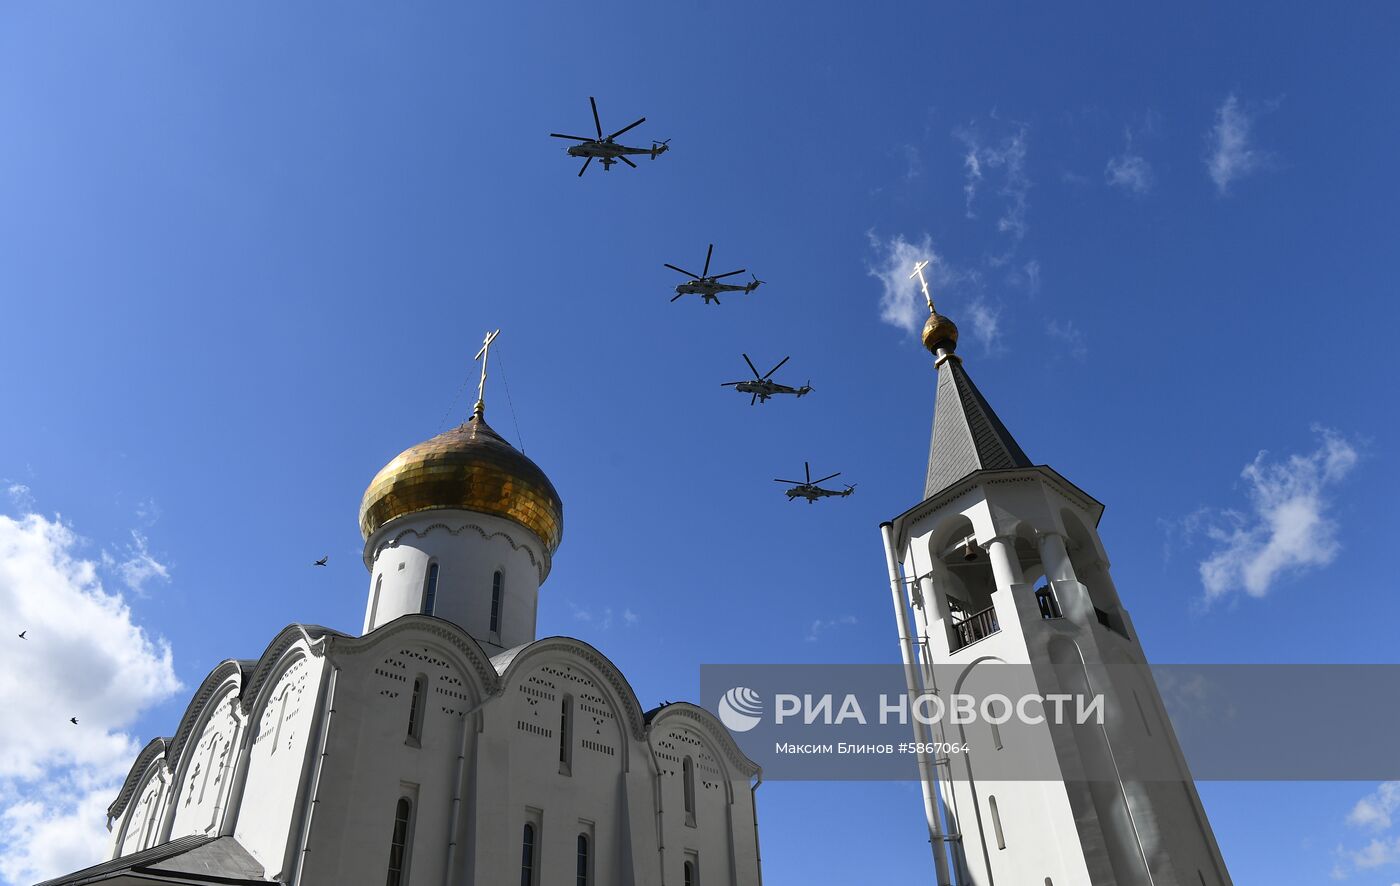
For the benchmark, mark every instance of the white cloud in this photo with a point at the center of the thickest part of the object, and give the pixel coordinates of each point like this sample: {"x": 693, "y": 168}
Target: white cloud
{"x": 1373, "y": 812}
{"x": 1072, "y": 337}
{"x": 630, "y": 618}
{"x": 822, "y": 626}
{"x": 901, "y": 298}
{"x": 1287, "y": 527}
{"x": 1128, "y": 170}
{"x": 1006, "y": 157}
{"x": 83, "y": 657}
{"x": 1231, "y": 155}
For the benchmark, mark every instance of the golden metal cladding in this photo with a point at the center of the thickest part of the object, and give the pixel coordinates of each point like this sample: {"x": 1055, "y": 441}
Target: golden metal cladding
{"x": 469, "y": 468}
{"x": 940, "y": 329}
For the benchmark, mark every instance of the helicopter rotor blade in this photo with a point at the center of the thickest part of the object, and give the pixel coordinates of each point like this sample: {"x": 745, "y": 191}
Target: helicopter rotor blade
{"x": 753, "y": 399}
{"x": 806, "y": 466}
{"x": 729, "y": 384}
{"x": 596, "y": 124}
{"x": 754, "y": 368}
{"x": 827, "y": 477}
{"x": 677, "y": 295}
{"x": 625, "y": 128}
{"x": 706, "y": 272}
{"x": 779, "y": 366}
{"x": 577, "y": 138}
{"x": 682, "y": 270}
{"x": 730, "y": 274}
{"x": 793, "y": 482}
{"x": 628, "y": 162}
{"x": 585, "y": 166}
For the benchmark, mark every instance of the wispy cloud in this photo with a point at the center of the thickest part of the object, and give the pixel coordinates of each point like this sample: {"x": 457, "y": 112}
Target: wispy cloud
{"x": 602, "y": 619}
{"x": 1286, "y": 527}
{"x": 1002, "y": 161}
{"x": 820, "y": 627}
{"x": 1071, "y": 336}
{"x": 135, "y": 565}
{"x": 84, "y": 656}
{"x": 1128, "y": 170}
{"x": 19, "y": 495}
{"x": 1231, "y": 154}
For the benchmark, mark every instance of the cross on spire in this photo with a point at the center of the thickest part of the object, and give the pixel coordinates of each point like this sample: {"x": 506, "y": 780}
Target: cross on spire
{"x": 483, "y": 355}
{"x": 919, "y": 272}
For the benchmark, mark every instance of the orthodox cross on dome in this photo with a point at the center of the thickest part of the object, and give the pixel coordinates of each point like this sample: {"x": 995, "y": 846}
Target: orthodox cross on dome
{"x": 483, "y": 355}
{"x": 919, "y": 272}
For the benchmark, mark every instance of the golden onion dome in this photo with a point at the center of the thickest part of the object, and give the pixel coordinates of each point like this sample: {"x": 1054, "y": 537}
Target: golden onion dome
{"x": 939, "y": 330}
{"x": 469, "y": 468}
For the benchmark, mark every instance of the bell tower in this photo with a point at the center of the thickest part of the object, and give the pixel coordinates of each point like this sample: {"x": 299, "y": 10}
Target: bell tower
{"x": 1001, "y": 564}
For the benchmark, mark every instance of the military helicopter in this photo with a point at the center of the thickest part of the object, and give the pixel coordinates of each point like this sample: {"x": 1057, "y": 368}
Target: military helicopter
{"x": 811, "y": 491}
{"x": 604, "y": 149}
{"x": 704, "y": 284}
{"x": 763, "y": 387}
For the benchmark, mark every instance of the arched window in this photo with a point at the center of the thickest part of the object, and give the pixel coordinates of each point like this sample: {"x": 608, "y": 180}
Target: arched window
{"x": 415, "y": 708}
{"x": 996, "y": 823}
{"x": 566, "y": 734}
{"x": 689, "y": 873}
{"x": 496, "y": 581}
{"x": 430, "y": 590}
{"x": 688, "y": 775}
{"x": 527, "y": 856}
{"x": 582, "y": 879}
{"x": 398, "y": 849}
{"x": 374, "y": 602}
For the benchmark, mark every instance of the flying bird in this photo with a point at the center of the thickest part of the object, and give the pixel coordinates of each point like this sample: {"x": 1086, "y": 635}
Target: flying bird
{"x": 73, "y": 720}
{"x": 322, "y": 561}
{"x": 22, "y": 633}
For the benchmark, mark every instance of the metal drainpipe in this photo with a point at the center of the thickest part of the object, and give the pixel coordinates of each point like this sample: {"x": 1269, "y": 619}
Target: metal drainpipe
{"x": 660, "y": 825}
{"x": 911, "y": 680}
{"x": 457, "y": 791}
{"x": 327, "y": 712}
{"x": 753, "y": 807}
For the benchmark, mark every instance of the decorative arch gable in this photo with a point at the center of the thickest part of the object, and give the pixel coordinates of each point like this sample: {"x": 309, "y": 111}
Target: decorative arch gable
{"x": 618, "y": 692}
{"x": 708, "y": 729}
{"x": 136, "y": 777}
{"x": 451, "y": 641}
{"x": 317, "y": 639}
{"x": 227, "y": 676}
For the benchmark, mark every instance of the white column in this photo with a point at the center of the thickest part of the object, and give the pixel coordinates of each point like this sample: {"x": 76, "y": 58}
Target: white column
{"x": 1055, "y": 558}
{"x": 1002, "y": 552}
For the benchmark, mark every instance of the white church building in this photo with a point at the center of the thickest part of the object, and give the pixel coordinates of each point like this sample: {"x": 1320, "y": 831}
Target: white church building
{"x": 445, "y": 744}
{"x": 1001, "y": 565}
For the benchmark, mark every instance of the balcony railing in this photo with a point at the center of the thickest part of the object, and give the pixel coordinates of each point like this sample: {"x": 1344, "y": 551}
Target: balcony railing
{"x": 977, "y": 626}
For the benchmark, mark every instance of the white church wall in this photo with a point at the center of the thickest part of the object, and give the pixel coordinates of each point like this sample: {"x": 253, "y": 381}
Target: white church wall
{"x": 718, "y": 835}
{"x": 206, "y": 768}
{"x": 580, "y": 793}
{"x": 282, "y": 719}
{"x": 374, "y": 757}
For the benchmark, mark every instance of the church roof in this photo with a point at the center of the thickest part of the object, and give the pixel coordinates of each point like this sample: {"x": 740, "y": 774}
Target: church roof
{"x": 967, "y": 435}
{"x": 469, "y": 468}
{"x": 190, "y": 860}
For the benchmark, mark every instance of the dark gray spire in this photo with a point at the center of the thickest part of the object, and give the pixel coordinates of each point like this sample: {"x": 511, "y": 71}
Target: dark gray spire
{"x": 967, "y": 435}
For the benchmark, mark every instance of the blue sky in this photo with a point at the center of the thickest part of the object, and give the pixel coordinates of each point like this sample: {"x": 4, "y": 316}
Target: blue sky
{"x": 247, "y": 253}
